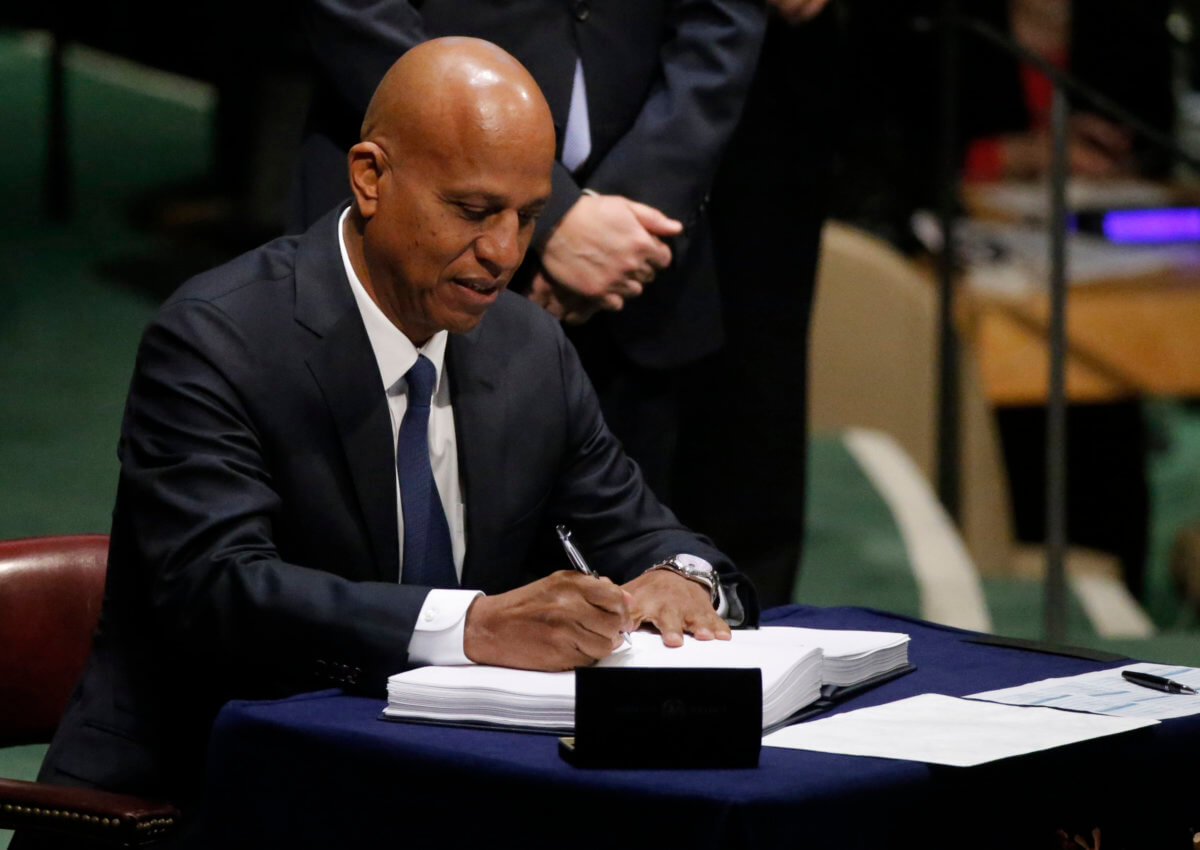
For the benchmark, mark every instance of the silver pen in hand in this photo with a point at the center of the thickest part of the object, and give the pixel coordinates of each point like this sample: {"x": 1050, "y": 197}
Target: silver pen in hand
{"x": 577, "y": 561}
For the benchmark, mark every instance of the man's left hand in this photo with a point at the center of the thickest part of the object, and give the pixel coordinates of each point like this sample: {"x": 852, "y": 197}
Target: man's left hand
{"x": 675, "y": 605}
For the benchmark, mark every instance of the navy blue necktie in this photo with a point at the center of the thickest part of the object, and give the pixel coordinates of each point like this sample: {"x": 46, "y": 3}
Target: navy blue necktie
{"x": 428, "y": 558}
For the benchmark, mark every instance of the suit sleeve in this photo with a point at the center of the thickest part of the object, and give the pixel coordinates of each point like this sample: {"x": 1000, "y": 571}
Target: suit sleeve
{"x": 354, "y": 42}
{"x": 196, "y": 516}
{"x": 670, "y": 154}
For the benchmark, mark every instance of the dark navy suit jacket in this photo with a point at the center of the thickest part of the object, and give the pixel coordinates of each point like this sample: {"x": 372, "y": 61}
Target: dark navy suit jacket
{"x": 254, "y": 542}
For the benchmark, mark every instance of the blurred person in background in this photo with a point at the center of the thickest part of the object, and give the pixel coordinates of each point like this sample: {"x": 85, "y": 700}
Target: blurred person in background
{"x": 889, "y": 129}
{"x": 747, "y": 430}
{"x": 1120, "y": 48}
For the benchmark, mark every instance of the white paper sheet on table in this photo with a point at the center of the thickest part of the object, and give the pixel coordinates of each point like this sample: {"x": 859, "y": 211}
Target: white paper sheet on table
{"x": 947, "y": 730}
{"x": 1105, "y": 692}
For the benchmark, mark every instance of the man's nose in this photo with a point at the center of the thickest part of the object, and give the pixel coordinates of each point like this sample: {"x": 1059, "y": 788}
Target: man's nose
{"x": 499, "y": 248}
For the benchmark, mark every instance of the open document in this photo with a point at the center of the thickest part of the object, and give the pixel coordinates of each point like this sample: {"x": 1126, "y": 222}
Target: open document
{"x": 796, "y": 665}
{"x": 1107, "y": 692}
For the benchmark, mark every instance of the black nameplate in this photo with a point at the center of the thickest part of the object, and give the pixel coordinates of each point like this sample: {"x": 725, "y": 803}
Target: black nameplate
{"x": 639, "y": 717}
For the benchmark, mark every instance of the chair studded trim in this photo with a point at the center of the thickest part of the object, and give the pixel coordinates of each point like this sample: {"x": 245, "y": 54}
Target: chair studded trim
{"x": 84, "y": 813}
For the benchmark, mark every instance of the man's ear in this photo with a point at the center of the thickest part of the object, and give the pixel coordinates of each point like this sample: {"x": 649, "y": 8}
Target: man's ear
{"x": 366, "y": 163}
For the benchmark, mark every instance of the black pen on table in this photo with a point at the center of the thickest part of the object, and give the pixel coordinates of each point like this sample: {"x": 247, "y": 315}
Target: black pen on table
{"x": 1158, "y": 683}
{"x": 577, "y": 561}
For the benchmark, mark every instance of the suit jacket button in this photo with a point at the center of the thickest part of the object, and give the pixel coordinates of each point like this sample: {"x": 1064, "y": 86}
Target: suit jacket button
{"x": 581, "y": 10}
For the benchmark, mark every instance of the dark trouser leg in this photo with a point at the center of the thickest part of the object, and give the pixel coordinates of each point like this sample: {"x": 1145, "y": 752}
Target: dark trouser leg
{"x": 743, "y": 438}
{"x": 740, "y": 468}
{"x": 1107, "y": 491}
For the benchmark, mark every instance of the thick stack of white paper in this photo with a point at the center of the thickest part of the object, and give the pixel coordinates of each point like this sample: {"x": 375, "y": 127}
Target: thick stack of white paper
{"x": 850, "y": 656}
{"x": 791, "y": 660}
{"x": 482, "y": 694}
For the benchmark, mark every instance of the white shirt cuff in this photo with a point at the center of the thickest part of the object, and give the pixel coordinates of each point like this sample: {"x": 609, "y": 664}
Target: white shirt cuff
{"x": 438, "y": 635}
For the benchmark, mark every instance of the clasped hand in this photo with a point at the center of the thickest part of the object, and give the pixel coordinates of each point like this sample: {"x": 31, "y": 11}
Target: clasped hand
{"x": 567, "y": 619}
{"x": 604, "y": 250}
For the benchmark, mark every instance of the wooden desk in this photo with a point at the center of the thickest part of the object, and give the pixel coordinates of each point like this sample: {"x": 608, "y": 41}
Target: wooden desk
{"x": 1126, "y": 338}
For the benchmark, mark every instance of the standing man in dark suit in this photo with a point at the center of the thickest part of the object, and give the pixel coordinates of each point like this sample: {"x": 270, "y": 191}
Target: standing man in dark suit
{"x": 644, "y": 94}
{"x": 770, "y": 199}
{"x": 274, "y": 531}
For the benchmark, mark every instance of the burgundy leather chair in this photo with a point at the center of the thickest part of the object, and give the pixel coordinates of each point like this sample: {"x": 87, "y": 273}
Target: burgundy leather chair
{"x": 50, "y": 594}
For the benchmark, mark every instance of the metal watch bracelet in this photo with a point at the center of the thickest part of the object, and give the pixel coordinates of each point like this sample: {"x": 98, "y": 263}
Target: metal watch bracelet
{"x": 707, "y": 578}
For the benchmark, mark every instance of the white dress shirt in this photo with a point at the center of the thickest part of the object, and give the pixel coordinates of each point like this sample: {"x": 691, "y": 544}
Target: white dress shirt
{"x": 438, "y": 636}
{"x": 577, "y": 138}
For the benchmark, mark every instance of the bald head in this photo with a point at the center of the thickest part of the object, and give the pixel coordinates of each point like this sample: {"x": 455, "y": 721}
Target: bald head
{"x": 450, "y": 175}
{"x": 448, "y": 87}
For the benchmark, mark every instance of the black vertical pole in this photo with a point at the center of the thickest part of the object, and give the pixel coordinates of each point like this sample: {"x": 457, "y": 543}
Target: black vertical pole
{"x": 948, "y": 381}
{"x": 57, "y": 173}
{"x": 1055, "y": 618}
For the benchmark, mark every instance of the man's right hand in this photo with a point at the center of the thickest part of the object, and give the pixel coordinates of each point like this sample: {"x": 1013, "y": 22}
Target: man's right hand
{"x": 558, "y": 622}
{"x": 607, "y": 247}
{"x": 560, "y": 302}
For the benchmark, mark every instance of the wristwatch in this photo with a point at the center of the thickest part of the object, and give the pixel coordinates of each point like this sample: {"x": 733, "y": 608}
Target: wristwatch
{"x": 694, "y": 569}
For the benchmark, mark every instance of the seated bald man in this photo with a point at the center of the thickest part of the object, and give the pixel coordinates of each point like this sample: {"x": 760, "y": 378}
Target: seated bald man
{"x": 346, "y": 453}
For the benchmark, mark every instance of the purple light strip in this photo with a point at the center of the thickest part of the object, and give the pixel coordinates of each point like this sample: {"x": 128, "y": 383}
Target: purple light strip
{"x": 1161, "y": 225}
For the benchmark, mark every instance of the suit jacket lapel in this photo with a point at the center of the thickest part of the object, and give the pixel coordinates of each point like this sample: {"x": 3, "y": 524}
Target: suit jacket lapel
{"x": 479, "y": 426}
{"x": 344, "y": 367}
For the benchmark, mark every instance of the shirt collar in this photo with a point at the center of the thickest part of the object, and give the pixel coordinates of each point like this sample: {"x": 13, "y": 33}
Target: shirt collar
{"x": 394, "y": 352}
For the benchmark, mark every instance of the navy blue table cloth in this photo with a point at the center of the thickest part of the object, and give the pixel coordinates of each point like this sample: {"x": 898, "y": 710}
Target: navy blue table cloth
{"x": 322, "y": 771}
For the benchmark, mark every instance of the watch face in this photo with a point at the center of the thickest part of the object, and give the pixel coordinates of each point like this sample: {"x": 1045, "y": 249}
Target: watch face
{"x": 704, "y": 574}
{"x": 693, "y": 565}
